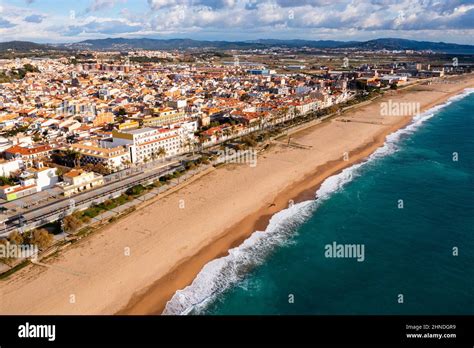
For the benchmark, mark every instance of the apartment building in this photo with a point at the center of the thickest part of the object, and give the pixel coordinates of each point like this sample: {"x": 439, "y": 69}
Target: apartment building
{"x": 163, "y": 117}
{"x": 114, "y": 158}
{"x": 28, "y": 153}
{"x": 145, "y": 143}
{"x": 9, "y": 167}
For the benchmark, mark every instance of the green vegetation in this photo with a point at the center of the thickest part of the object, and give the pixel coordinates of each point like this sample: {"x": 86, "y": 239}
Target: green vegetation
{"x": 135, "y": 190}
{"x": 39, "y": 237}
{"x": 6, "y": 181}
{"x": 249, "y": 140}
{"x": 14, "y": 269}
{"x": 13, "y": 132}
{"x": 17, "y": 74}
{"x": 150, "y": 60}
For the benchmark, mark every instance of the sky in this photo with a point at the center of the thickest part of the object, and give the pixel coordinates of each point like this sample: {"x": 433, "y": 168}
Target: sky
{"x": 58, "y": 21}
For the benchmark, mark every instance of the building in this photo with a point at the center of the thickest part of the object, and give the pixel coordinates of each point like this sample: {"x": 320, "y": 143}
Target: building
{"x": 28, "y": 153}
{"x": 44, "y": 177}
{"x": 32, "y": 180}
{"x": 146, "y": 143}
{"x": 114, "y": 158}
{"x": 9, "y": 167}
{"x": 164, "y": 116}
{"x": 103, "y": 119}
{"x": 393, "y": 79}
{"x": 128, "y": 125}
{"x": 78, "y": 180}
{"x": 10, "y": 193}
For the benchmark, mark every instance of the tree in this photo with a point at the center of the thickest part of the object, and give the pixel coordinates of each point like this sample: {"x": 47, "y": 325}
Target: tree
{"x": 126, "y": 163}
{"x": 71, "y": 223}
{"x": 249, "y": 141}
{"x": 73, "y": 157}
{"x": 161, "y": 152}
{"x": 42, "y": 238}
{"x": 227, "y": 132}
{"x": 101, "y": 169}
{"x": 218, "y": 134}
{"x": 15, "y": 238}
{"x": 6, "y": 181}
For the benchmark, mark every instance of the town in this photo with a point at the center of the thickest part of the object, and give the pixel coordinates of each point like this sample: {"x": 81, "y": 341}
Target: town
{"x": 83, "y": 135}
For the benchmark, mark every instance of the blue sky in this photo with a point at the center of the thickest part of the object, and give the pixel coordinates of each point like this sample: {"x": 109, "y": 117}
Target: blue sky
{"x": 76, "y": 20}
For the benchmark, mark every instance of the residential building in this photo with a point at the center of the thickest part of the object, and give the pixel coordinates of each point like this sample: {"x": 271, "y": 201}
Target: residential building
{"x": 78, "y": 180}
{"x": 145, "y": 143}
{"x": 114, "y": 158}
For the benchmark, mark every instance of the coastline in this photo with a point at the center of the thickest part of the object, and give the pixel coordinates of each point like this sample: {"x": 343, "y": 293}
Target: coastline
{"x": 178, "y": 272}
{"x": 154, "y": 299}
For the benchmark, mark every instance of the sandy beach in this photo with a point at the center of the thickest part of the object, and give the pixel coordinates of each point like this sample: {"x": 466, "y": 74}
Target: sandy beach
{"x": 136, "y": 264}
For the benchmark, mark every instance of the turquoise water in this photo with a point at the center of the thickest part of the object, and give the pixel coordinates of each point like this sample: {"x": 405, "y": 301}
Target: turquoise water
{"x": 407, "y": 251}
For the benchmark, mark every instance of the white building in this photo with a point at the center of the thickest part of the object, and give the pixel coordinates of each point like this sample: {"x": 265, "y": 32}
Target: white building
{"x": 79, "y": 180}
{"x": 145, "y": 143}
{"x": 114, "y": 158}
{"x": 44, "y": 177}
{"x": 8, "y": 167}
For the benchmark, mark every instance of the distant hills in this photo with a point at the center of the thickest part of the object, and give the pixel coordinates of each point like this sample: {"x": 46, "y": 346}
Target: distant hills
{"x": 119, "y": 44}
{"x": 23, "y": 46}
{"x": 403, "y": 44}
{"x": 159, "y": 44}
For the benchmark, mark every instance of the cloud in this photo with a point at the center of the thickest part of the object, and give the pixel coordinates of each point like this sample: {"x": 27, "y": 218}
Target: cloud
{"x": 242, "y": 19}
{"x": 5, "y": 23}
{"x": 102, "y": 27}
{"x": 35, "y": 18}
{"x": 99, "y": 5}
{"x": 213, "y": 4}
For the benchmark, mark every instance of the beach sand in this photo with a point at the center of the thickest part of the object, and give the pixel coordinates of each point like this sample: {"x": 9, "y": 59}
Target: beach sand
{"x": 136, "y": 264}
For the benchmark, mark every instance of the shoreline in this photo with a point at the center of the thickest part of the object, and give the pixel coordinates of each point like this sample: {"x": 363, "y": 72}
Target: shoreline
{"x": 170, "y": 246}
{"x": 153, "y": 299}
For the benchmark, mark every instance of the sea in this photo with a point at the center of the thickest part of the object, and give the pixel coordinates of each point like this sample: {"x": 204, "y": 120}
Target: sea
{"x": 393, "y": 234}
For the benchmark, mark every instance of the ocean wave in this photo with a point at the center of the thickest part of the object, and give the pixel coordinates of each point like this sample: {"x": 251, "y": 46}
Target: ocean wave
{"x": 222, "y": 273}
{"x": 219, "y": 274}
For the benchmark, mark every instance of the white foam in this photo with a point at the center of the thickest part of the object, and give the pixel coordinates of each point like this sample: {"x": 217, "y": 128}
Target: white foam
{"x": 220, "y": 274}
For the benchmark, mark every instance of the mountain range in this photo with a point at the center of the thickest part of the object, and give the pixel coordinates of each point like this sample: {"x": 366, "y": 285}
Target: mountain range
{"x": 119, "y": 44}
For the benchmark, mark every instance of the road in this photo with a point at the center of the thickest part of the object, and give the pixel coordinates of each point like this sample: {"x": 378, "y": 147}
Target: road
{"x": 115, "y": 185}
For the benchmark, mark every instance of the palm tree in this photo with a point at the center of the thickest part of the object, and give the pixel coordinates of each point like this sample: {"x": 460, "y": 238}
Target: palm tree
{"x": 261, "y": 122}
{"x": 296, "y": 113}
{"x": 234, "y": 130}
{"x": 161, "y": 152}
{"x": 74, "y": 156}
{"x": 126, "y": 163}
{"x": 227, "y": 132}
{"x": 188, "y": 145}
{"x": 201, "y": 140}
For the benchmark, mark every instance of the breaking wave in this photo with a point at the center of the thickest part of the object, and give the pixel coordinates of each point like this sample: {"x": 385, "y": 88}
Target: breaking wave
{"x": 223, "y": 273}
